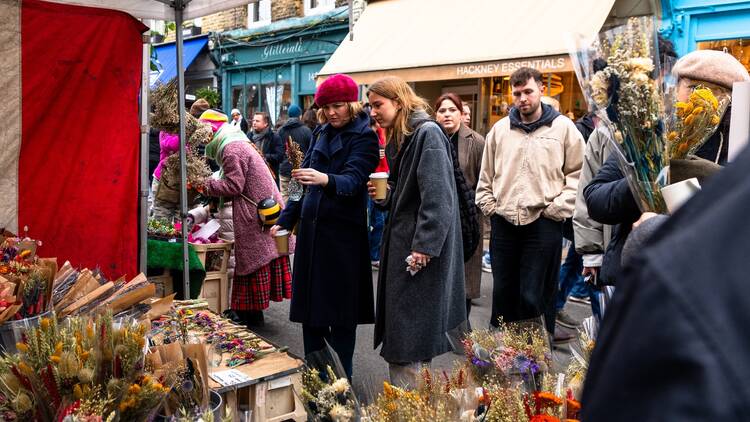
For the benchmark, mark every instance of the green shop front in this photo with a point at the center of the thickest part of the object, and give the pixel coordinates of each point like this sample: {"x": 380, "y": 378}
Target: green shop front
{"x": 269, "y": 68}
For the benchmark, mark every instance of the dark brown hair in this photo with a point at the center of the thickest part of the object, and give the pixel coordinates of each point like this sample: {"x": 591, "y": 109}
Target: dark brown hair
{"x": 265, "y": 116}
{"x": 310, "y": 118}
{"x": 454, "y": 98}
{"x": 522, "y": 75}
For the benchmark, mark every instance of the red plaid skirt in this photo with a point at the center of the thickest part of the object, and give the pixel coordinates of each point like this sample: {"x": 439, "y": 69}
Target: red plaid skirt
{"x": 253, "y": 292}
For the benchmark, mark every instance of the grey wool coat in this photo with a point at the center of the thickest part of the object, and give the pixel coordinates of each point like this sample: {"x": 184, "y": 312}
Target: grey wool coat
{"x": 414, "y": 313}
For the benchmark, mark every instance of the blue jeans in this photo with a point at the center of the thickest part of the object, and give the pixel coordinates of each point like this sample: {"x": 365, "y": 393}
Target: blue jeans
{"x": 571, "y": 282}
{"x": 375, "y": 234}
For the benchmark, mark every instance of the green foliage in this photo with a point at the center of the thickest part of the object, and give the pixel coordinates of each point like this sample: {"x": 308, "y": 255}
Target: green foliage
{"x": 209, "y": 94}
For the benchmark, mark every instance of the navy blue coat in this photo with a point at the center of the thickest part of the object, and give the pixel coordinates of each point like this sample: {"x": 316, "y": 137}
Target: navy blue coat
{"x": 332, "y": 279}
{"x": 609, "y": 201}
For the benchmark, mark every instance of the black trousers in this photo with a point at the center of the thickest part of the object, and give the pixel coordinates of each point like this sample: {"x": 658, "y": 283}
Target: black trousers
{"x": 341, "y": 339}
{"x": 525, "y": 269}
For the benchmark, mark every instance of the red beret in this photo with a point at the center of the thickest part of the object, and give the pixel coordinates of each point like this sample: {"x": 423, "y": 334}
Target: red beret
{"x": 337, "y": 88}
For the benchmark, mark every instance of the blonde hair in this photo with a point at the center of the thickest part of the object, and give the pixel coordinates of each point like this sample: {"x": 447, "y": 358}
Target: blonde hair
{"x": 396, "y": 89}
{"x": 355, "y": 107}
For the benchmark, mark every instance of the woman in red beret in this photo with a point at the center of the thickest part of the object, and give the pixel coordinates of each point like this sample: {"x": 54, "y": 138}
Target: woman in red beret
{"x": 332, "y": 278}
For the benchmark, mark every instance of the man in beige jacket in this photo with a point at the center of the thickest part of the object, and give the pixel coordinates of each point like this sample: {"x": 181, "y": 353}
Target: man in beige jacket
{"x": 527, "y": 186}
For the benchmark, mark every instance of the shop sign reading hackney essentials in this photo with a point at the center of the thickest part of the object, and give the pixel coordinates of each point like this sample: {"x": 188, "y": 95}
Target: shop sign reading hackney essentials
{"x": 502, "y": 68}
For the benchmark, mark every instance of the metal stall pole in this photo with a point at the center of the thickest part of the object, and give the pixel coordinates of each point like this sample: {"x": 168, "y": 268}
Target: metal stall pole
{"x": 143, "y": 192}
{"x": 178, "y": 9}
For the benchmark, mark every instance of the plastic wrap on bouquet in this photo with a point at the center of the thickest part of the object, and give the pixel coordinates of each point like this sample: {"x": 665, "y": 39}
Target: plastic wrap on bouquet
{"x": 621, "y": 76}
{"x": 326, "y": 391}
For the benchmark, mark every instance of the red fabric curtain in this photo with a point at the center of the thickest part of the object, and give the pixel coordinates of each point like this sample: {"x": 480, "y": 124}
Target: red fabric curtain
{"x": 78, "y": 169}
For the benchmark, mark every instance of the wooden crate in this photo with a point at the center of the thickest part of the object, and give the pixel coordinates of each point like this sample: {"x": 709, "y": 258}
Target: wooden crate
{"x": 164, "y": 284}
{"x": 215, "y": 291}
{"x": 207, "y": 251}
{"x": 269, "y": 401}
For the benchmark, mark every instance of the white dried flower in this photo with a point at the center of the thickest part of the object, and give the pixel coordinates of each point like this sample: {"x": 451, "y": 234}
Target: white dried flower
{"x": 341, "y": 386}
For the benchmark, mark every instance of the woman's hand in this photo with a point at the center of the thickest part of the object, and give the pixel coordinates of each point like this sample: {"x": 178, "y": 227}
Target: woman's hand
{"x": 310, "y": 177}
{"x": 275, "y": 229}
{"x": 420, "y": 260}
{"x": 371, "y": 190}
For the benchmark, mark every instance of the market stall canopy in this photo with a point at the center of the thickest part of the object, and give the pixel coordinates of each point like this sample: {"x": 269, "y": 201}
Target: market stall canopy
{"x": 156, "y": 9}
{"x": 422, "y": 40}
{"x": 166, "y": 58}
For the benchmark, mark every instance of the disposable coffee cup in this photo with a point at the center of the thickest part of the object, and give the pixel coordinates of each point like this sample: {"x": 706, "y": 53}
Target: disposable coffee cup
{"x": 282, "y": 241}
{"x": 677, "y": 194}
{"x": 380, "y": 180}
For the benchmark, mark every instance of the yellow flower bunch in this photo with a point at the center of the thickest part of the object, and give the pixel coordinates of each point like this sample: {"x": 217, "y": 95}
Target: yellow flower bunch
{"x": 696, "y": 120}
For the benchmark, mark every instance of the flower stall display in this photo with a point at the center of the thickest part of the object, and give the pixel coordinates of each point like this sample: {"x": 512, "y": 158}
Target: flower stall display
{"x": 190, "y": 325}
{"x": 163, "y": 229}
{"x": 85, "y": 369}
{"x": 25, "y": 279}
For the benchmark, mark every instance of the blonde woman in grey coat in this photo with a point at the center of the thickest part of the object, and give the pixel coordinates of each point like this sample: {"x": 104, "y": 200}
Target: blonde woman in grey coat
{"x": 421, "y": 279}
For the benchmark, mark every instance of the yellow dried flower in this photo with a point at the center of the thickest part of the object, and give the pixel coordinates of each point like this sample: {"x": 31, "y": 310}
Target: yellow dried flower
{"x": 58, "y": 348}
{"x": 704, "y": 94}
{"x": 134, "y": 389}
{"x": 672, "y": 136}
{"x": 55, "y": 359}
{"x": 23, "y": 347}
{"x": 24, "y": 368}
{"x": 44, "y": 323}
{"x": 77, "y": 392}
{"x": 698, "y": 110}
{"x": 715, "y": 119}
{"x": 689, "y": 119}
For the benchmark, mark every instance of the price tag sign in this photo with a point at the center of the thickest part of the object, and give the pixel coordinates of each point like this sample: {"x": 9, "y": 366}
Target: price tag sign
{"x": 230, "y": 377}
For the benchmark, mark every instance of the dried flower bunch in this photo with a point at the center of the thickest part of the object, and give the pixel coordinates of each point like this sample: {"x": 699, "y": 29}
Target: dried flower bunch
{"x": 294, "y": 153}
{"x": 25, "y": 280}
{"x": 166, "y": 118}
{"x": 327, "y": 397}
{"x": 694, "y": 121}
{"x": 84, "y": 370}
{"x": 623, "y": 80}
{"x": 517, "y": 351}
{"x": 242, "y": 346}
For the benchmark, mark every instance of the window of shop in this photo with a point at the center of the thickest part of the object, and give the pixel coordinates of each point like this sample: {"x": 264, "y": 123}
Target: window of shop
{"x": 315, "y": 7}
{"x": 259, "y": 14}
{"x": 253, "y": 100}
{"x": 739, "y": 48}
{"x": 276, "y": 100}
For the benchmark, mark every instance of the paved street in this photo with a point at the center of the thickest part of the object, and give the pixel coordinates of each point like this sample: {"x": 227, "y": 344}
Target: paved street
{"x": 369, "y": 368}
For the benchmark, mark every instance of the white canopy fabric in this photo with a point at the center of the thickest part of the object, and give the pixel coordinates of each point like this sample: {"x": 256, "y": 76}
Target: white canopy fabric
{"x": 155, "y": 9}
{"x": 432, "y": 37}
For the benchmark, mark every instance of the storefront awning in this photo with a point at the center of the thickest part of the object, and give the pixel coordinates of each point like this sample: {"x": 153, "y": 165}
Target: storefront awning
{"x": 425, "y": 40}
{"x": 166, "y": 59}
